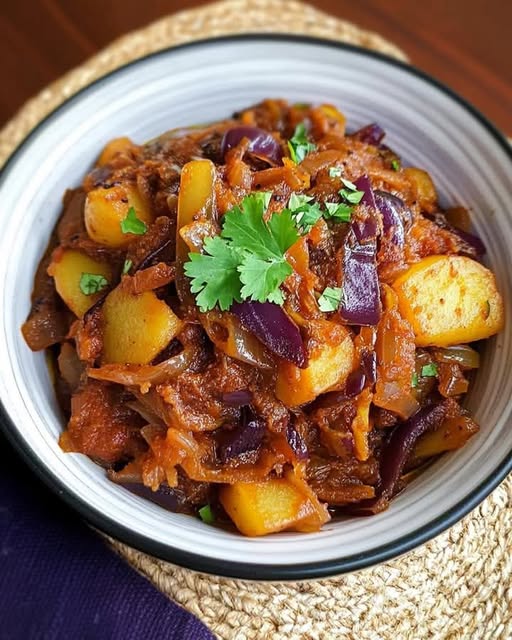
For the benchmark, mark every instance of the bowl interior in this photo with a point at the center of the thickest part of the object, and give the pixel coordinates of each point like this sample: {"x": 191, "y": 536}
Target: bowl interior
{"x": 206, "y": 82}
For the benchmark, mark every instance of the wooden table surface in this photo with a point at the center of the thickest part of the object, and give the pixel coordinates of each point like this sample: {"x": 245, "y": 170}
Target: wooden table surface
{"x": 464, "y": 43}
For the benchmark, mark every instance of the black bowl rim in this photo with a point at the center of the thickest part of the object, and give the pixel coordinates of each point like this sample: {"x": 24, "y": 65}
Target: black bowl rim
{"x": 253, "y": 570}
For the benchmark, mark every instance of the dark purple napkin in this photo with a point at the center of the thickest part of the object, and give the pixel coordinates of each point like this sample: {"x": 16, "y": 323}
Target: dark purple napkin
{"x": 58, "y": 580}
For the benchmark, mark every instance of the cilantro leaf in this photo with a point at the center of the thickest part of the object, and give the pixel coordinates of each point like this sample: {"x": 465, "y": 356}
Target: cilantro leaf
{"x": 264, "y": 197}
{"x": 349, "y": 185}
{"x": 341, "y": 212}
{"x": 91, "y": 283}
{"x": 298, "y": 145}
{"x": 429, "y": 370}
{"x": 298, "y": 200}
{"x": 128, "y": 264}
{"x": 132, "y": 224}
{"x": 247, "y": 260}
{"x": 414, "y": 380}
{"x": 304, "y": 213}
{"x": 206, "y": 514}
{"x": 245, "y": 227}
{"x": 354, "y": 197}
{"x": 214, "y": 275}
{"x": 395, "y": 164}
{"x": 330, "y": 299}
{"x": 350, "y": 193}
{"x": 283, "y": 230}
{"x": 334, "y": 172}
{"x": 261, "y": 279}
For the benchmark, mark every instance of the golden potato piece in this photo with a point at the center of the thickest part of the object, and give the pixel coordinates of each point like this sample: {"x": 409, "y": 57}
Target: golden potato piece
{"x": 425, "y": 189}
{"x": 329, "y": 365}
{"x": 112, "y": 148}
{"x": 105, "y": 209}
{"x": 66, "y": 268}
{"x": 259, "y": 508}
{"x": 449, "y": 300}
{"x": 136, "y": 327}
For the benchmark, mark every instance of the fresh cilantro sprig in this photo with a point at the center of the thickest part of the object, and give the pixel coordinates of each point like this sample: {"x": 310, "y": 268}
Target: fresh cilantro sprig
{"x": 132, "y": 224}
{"x": 91, "y": 283}
{"x": 330, "y": 299}
{"x": 298, "y": 145}
{"x": 247, "y": 260}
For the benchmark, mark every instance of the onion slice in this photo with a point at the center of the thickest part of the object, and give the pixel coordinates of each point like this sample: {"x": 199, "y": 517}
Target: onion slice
{"x": 138, "y": 374}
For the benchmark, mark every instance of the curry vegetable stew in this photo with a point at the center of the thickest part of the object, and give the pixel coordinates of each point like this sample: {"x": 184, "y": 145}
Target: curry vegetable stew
{"x": 265, "y": 321}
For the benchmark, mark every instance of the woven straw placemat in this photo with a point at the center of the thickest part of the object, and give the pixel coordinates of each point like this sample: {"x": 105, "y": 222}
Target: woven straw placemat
{"x": 455, "y": 587}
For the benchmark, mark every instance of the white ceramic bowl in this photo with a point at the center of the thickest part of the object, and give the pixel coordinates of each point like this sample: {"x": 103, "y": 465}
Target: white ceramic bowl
{"x": 427, "y": 125}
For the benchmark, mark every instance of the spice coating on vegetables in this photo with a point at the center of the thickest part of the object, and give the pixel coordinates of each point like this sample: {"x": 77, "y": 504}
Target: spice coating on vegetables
{"x": 264, "y": 321}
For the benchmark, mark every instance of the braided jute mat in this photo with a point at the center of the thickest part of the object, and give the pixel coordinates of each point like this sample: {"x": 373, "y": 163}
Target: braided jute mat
{"x": 455, "y": 587}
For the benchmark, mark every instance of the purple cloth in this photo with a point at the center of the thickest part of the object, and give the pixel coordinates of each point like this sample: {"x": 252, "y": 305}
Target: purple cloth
{"x": 58, "y": 580}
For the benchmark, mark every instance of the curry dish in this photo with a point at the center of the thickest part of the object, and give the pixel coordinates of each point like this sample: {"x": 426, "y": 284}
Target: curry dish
{"x": 265, "y": 320}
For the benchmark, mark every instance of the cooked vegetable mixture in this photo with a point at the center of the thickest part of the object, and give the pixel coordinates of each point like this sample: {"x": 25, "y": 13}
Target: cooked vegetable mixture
{"x": 265, "y": 320}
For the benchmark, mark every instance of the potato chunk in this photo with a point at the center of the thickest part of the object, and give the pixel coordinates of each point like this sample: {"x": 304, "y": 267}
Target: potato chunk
{"x": 136, "y": 327}
{"x": 112, "y": 148}
{"x": 425, "y": 189}
{"x": 449, "y": 300}
{"x": 105, "y": 209}
{"x": 330, "y": 361}
{"x": 66, "y": 268}
{"x": 258, "y": 508}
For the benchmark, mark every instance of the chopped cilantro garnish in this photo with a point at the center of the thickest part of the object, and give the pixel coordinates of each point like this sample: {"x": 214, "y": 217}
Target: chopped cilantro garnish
{"x": 354, "y": 197}
{"x": 304, "y": 213}
{"x": 341, "y": 212}
{"x": 298, "y": 200}
{"x": 395, "y": 164}
{"x": 414, "y": 380}
{"x": 429, "y": 370}
{"x": 350, "y": 193}
{"x": 330, "y": 299}
{"x": 206, "y": 514}
{"x": 91, "y": 283}
{"x": 298, "y": 145}
{"x": 349, "y": 185}
{"x": 132, "y": 224}
{"x": 334, "y": 172}
{"x": 247, "y": 261}
{"x": 128, "y": 264}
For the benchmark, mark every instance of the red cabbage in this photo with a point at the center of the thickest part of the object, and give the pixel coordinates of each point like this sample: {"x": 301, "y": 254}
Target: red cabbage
{"x": 393, "y": 212}
{"x": 371, "y": 134}
{"x": 360, "y": 303}
{"x": 396, "y": 453}
{"x": 238, "y": 398}
{"x": 296, "y": 442}
{"x": 274, "y": 328}
{"x": 262, "y": 144}
{"x": 245, "y": 437}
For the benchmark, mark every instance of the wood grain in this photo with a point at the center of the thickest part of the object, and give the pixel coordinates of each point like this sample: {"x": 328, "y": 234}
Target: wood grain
{"x": 464, "y": 43}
